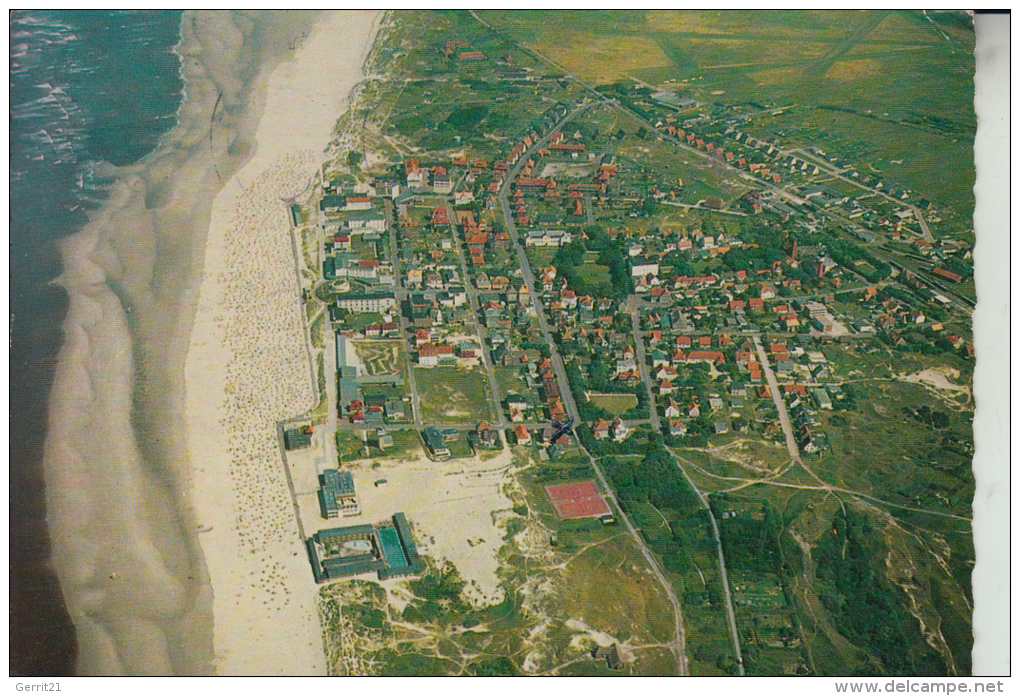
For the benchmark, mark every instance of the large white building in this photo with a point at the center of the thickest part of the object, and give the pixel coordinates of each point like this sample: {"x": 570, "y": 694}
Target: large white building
{"x": 642, "y": 267}
{"x": 360, "y": 220}
{"x": 366, "y": 302}
{"x": 548, "y": 237}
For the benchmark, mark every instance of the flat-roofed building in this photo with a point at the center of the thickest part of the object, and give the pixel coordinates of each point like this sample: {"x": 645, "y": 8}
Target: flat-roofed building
{"x": 297, "y": 438}
{"x": 366, "y": 301}
{"x": 387, "y": 548}
{"x": 373, "y": 219}
{"x": 337, "y": 495}
{"x": 435, "y": 442}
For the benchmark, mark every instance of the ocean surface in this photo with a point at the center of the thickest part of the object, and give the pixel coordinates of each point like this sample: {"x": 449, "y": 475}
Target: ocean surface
{"x": 88, "y": 89}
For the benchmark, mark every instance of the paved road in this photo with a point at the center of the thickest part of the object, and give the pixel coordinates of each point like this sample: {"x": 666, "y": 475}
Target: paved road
{"x": 784, "y": 415}
{"x": 400, "y": 294}
{"x": 526, "y": 274}
{"x": 639, "y": 355}
{"x": 570, "y": 405}
{"x": 472, "y": 294}
{"x": 777, "y": 398}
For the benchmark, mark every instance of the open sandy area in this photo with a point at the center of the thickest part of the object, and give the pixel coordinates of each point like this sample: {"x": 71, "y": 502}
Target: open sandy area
{"x": 937, "y": 380}
{"x": 454, "y": 506}
{"x": 249, "y": 367}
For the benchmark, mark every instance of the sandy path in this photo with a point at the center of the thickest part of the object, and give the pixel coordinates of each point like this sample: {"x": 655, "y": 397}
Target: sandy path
{"x": 247, "y": 367}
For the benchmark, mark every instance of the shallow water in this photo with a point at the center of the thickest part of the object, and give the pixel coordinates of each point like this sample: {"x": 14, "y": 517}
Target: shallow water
{"x": 116, "y": 474}
{"x": 66, "y": 68}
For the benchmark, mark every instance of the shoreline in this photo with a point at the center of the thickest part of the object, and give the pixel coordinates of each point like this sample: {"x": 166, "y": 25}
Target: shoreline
{"x": 118, "y": 481}
{"x": 246, "y": 367}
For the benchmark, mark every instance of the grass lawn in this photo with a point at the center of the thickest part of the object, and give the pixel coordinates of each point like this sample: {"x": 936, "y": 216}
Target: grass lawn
{"x": 460, "y": 448}
{"x": 614, "y": 403}
{"x": 406, "y": 444}
{"x": 593, "y": 274}
{"x": 540, "y": 256}
{"x": 317, "y": 329}
{"x": 510, "y": 381}
{"x": 450, "y": 395}
{"x": 319, "y": 412}
{"x": 359, "y": 320}
{"x": 366, "y": 251}
{"x": 349, "y": 445}
{"x": 406, "y": 441}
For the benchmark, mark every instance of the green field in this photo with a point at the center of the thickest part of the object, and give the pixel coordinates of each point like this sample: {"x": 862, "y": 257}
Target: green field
{"x": 349, "y": 445}
{"x": 880, "y": 450}
{"x": 406, "y": 445}
{"x": 539, "y": 256}
{"x": 593, "y": 275}
{"x": 359, "y": 320}
{"x": 452, "y": 395}
{"x": 510, "y": 380}
{"x": 902, "y": 81}
{"x": 617, "y": 404}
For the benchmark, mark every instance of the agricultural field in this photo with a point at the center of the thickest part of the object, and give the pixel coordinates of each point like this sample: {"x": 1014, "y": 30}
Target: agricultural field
{"x": 806, "y": 60}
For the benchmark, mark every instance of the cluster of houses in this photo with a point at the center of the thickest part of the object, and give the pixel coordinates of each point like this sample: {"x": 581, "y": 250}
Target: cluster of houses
{"x": 802, "y": 401}
{"x": 552, "y": 197}
{"x": 768, "y": 160}
{"x": 351, "y": 223}
{"x": 896, "y": 315}
{"x": 438, "y": 441}
{"x": 538, "y": 199}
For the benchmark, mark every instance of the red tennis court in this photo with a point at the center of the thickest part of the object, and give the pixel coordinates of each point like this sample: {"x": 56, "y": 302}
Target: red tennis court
{"x": 577, "y": 500}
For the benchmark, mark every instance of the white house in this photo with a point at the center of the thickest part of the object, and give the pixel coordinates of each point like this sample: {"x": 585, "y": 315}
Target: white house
{"x": 642, "y": 267}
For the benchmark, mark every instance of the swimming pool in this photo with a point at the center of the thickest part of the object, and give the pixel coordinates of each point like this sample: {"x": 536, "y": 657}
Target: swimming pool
{"x": 392, "y": 549}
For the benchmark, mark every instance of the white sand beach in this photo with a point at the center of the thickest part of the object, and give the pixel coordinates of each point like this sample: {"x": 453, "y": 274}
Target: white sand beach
{"x": 247, "y": 365}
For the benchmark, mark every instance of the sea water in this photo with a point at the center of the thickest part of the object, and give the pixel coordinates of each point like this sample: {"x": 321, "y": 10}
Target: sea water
{"x": 88, "y": 89}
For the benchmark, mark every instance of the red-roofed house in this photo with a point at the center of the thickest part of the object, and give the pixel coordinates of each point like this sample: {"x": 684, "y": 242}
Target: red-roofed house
{"x": 523, "y": 435}
{"x": 429, "y": 354}
{"x": 713, "y": 356}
